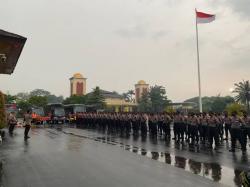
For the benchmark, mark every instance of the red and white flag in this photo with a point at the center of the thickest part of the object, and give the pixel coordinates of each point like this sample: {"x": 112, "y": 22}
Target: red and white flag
{"x": 204, "y": 17}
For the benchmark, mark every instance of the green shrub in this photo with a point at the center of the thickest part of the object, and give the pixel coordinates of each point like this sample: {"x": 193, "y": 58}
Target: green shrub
{"x": 2, "y": 111}
{"x": 235, "y": 108}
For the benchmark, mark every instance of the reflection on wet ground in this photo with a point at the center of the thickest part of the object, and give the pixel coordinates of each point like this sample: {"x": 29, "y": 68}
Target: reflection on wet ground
{"x": 1, "y": 173}
{"x": 212, "y": 171}
{"x": 74, "y": 144}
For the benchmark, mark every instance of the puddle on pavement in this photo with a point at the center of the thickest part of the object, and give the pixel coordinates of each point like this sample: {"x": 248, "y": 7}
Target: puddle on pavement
{"x": 212, "y": 171}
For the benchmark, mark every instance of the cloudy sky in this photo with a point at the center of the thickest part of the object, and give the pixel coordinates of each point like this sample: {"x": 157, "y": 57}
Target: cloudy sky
{"x": 115, "y": 43}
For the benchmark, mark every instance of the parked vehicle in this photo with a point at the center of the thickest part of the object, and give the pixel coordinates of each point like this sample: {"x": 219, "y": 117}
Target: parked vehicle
{"x": 56, "y": 113}
{"x": 10, "y": 108}
{"x": 72, "y": 109}
{"x": 38, "y": 115}
{"x": 91, "y": 108}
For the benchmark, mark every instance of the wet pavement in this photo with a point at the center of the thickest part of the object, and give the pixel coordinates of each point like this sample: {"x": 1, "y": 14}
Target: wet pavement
{"x": 80, "y": 157}
{"x": 217, "y": 165}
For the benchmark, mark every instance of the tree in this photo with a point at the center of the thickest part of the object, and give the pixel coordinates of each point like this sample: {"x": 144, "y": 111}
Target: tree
{"x": 2, "y": 111}
{"x": 125, "y": 96}
{"x": 158, "y": 98}
{"x": 96, "y": 98}
{"x": 236, "y": 108}
{"x": 153, "y": 101}
{"x": 75, "y": 99}
{"x": 39, "y": 92}
{"x": 242, "y": 89}
{"x": 39, "y": 101}
{"x": 214, "y": 103}
{"x": 42, "y": 93}
{"x": 129, "y": 96}
{"x": 144, "y": 103}
{"x": 54, "y": 99}
{"x": 23, "y": 106}
{"x": 22, "y": 96}
{"x": 169, "y": 109}
{"x": 219, "y": 104}
{"x": 206, "y": 103}
{"x": 10, "y": 98}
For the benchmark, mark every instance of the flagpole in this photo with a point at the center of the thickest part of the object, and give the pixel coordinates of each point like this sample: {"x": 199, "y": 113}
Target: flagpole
{"x": 198, "y": 63}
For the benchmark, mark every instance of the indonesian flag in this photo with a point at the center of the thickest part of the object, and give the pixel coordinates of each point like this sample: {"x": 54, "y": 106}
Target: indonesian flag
{"x": 204, "y": 18}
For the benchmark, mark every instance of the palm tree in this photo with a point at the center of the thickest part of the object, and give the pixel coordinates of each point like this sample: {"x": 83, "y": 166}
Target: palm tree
{"x": 128, "y": 96}
{"x": 131, "y": 93}
{"x": 243, "y": 93}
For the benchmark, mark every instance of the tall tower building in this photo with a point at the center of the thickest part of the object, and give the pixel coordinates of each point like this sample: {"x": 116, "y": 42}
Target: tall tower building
{"x": 77, "y": 85}
{"x": 140, "y": 88}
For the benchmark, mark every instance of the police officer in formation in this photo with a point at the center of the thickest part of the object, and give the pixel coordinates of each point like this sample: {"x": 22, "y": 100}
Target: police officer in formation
{"x": 206, "y": 128}
{"x": 238, "y": 132}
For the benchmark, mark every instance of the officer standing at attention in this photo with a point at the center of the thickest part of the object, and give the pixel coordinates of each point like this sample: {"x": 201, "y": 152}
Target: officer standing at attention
{"x": 213, "y": 133}
{"x": 177, "y": 122}
{"x": 204, "y": 128}
{"x": 247, "y": 125}
{"x": 12, "y": 122}
{"x": 227, "y": 123}
{"x": 237, "y": 133}
{"x": 27, "y": 120}
{"x": 194, "y": 129}
{"x": 144, "y": 119}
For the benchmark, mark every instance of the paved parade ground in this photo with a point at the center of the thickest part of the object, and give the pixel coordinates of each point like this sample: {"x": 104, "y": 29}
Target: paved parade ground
{"x": 82, "y": 157}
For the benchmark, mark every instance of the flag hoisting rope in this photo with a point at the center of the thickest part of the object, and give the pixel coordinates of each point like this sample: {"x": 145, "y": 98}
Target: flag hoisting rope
{"x": 201, "y": 18}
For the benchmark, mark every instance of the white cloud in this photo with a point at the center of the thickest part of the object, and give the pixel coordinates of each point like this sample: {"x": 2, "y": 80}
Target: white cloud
{"x": 115, "y": 43}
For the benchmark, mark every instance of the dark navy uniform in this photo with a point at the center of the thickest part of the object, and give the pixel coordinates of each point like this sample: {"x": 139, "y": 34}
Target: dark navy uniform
{"x": 237, "y": 133}
{"x": 213, "y": 133}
